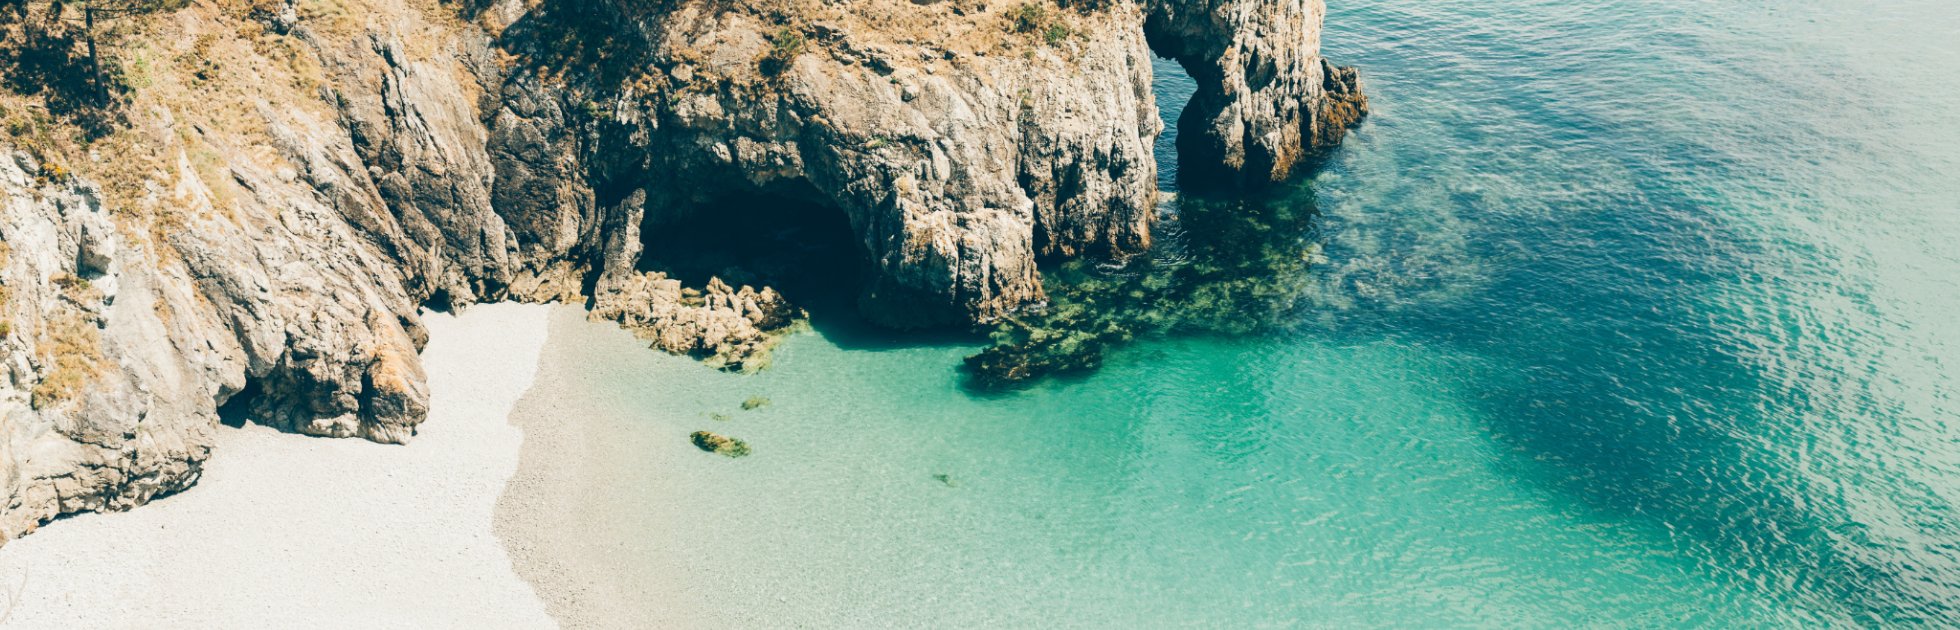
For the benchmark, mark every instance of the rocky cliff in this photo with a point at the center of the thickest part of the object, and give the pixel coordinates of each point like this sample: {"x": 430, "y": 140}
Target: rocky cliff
{"x": 292, "y": 181}
{"x": 1266, "y": 100}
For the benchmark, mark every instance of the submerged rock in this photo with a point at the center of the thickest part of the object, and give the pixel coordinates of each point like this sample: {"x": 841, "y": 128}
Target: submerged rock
{"x": 1240, "y": 266}
{"x": 1024, "y": 352}
{"x": 754, "y": 402}
{"x": 719, "y": 444}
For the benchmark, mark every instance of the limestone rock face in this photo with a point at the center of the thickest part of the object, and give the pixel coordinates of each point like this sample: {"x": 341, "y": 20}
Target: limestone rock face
{"x": 415, "y": 127}
{"x": 957, "y": 161}
{"x": 282, "y": 257}
{"x": 1266, "y": 100}
{"x": 260, "y": 238}
{"x": 732, "y": 329}
{"x": 105, "y": 399}
{"x": 961, "y": 143}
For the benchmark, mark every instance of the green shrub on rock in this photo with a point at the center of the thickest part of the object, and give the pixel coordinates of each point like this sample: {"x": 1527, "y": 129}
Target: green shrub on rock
{"x": 1027, "y": 18}
{"x": 783, "y": 49}
{"x": 1055, "y": 33}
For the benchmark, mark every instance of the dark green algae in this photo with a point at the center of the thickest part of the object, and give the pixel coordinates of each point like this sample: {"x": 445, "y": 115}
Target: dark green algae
{"x": 1221, "y": 266}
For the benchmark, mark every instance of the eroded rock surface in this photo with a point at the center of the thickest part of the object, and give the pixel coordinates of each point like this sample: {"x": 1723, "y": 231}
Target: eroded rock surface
{"x": 95, "y": 412}
{"x": 263, "y": 232}
{"x": 732, "y": 329}
{"x": 958, "y": 157}
{"x": 1266, "y": 100}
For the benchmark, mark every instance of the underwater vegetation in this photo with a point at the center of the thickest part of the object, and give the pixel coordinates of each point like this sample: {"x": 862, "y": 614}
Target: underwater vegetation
{"x": 1221, "y": 266}
{"x": 719, "y": 444}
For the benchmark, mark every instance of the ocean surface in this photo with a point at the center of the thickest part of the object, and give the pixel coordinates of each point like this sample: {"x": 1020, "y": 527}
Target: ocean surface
{"x": 1628, "y": 313}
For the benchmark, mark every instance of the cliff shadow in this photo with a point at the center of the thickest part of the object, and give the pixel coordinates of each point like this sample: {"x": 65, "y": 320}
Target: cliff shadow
{"x": 784, "y": 239}
{"x": 236, "y": 411}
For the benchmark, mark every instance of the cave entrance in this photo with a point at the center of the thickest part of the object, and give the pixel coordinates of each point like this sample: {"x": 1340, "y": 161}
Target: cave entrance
{"x": 804, "y": 249}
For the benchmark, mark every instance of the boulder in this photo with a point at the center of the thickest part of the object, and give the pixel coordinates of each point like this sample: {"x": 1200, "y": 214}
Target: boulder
{"x": 719, "y": 444}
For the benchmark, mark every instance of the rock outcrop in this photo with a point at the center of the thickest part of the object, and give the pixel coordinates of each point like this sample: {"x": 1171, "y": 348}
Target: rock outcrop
{"x": 731, "y": 329}
{"x": 262, "y": 234}
{"x": 1266, "y": 100}
{"x": 719, "y": 444}
{"x": 956, "y": 160}
{"x": 95, "y": 412}
{"x": 1239, "y": 264}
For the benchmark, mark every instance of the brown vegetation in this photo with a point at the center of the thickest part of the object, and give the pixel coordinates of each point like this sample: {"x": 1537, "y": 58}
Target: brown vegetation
{"x": 70, "y": 351}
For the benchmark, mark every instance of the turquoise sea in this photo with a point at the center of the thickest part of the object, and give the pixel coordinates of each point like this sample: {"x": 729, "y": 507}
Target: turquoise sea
{"x": 1627, "y": 313}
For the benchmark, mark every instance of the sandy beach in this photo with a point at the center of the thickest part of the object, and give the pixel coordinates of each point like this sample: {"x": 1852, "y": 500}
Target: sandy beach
{"x": 563, "y": 517}
{"x": 288, "y": 531}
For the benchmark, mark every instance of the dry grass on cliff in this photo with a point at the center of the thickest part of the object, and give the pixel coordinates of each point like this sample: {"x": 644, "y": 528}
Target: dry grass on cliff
{"x": 27, "y": 125}
{"x": 201, "y": 84}
{"x": 70, "y": 351}
{"x": 6, "y": 294}
{"x": 186, "y": 74}
{"x": 917, "y": 34}
{"x": 196, "y": 88}
{"x": 994, "y": 27}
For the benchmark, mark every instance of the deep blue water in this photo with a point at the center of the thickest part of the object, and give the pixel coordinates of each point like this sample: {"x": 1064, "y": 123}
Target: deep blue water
{"x": 1627, "y": 313}
{"x": 1713, "y": 250}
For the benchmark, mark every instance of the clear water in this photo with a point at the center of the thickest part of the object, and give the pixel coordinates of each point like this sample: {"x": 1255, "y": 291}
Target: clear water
{"x": 1634, "y": 313}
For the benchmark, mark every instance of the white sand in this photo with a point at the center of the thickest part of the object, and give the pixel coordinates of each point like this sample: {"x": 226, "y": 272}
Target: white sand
{"x": 287, "y": 531}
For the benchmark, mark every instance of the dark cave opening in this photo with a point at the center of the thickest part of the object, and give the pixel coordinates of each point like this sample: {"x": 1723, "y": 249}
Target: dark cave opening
{"x": 236, "y": 410}
{"x": 803, "y": 248}
{"x": 440, "y": 301}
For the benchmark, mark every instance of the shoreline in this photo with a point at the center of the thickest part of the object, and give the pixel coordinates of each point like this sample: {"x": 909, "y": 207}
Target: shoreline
{"x": 560, "y": 517}
{"x": 287, "y": 530}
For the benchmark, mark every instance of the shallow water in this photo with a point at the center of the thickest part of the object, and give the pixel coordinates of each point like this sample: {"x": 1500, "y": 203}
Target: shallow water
{"x": 1632, "y": 313}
